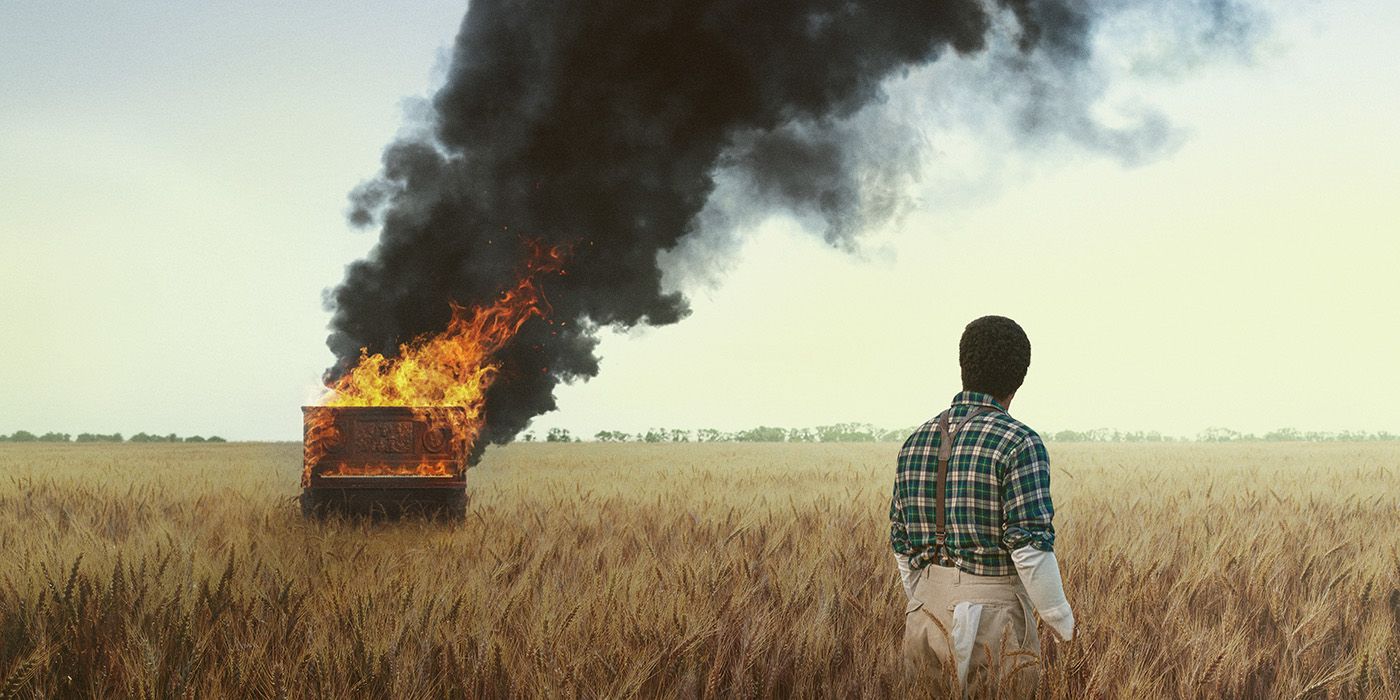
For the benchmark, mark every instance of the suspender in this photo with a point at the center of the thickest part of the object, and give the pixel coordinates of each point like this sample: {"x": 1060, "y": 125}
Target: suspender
{"x": 945, "y": 451}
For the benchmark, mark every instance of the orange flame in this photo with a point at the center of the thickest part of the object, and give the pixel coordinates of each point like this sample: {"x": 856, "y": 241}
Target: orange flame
{"x": 439, "y": 468}
{"x": 451, "y": 368}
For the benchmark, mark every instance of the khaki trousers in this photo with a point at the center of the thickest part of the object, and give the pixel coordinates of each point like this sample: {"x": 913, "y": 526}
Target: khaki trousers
{"x": 1005, "y": 649}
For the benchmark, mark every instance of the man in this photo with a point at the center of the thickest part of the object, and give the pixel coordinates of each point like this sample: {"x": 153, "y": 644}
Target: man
{"x": 976, "y": 555}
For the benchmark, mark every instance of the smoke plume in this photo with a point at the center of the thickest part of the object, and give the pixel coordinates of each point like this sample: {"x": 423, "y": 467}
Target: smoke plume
{"x": 602, "y": 124}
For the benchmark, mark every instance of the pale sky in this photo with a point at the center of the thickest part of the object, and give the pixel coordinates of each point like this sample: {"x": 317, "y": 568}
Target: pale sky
{"x": 172, "y": 195}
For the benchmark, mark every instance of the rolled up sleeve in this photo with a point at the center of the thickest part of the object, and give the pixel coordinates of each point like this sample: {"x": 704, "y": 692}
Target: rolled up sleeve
{"x": 1025, "y": 495}
{"x": 899, "y": 537}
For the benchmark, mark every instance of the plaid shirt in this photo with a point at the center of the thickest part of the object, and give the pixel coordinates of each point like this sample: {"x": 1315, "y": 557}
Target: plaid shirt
{"x": 998, "y": 491}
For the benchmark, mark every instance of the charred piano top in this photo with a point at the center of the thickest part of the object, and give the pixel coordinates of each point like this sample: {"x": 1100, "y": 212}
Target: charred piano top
{"x": 384, "y": 446}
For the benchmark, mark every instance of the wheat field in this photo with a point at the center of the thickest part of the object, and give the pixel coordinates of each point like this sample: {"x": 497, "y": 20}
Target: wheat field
{"x": 677, "y": 570}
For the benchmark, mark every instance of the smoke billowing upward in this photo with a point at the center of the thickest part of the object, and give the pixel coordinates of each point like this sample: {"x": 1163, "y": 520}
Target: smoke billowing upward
{"x": 601, "y": 124}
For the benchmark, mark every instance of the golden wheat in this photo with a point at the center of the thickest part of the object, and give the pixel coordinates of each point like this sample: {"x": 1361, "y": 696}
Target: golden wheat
{"x": 591, "y": 570}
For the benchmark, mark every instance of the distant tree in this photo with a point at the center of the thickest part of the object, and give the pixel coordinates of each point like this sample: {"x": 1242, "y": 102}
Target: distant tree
{"x": 194, "y": 438}
{"x": 55, "y": 437}
{"x": 846, "y": 432}
{"x": 896, "y": 435}
{"x": 98, "y": 437}
{"x": 558, "y": 435}
{"x": 216, "y": 438}
{"x": 527, "y": 437}
{"x": 23, "y": 436}
{"x": 712, "y": 435}
{"x": 1218, "y": 435}
{"x": 762, "y": 433}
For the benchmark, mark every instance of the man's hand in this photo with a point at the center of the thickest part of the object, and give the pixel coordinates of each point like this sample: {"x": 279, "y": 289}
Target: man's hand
{"x": 1061, "y": 624}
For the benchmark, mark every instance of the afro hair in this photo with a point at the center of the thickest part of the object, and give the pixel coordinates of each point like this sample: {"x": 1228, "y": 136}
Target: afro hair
{"x": 994, "y": 354}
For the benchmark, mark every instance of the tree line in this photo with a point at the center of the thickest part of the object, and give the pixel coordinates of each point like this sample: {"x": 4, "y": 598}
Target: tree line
{"x": 839, "y": 432}
{"x": 865, "y": 432}
{"x": 1220, "y": 435}
{"x": 26, "y": 436}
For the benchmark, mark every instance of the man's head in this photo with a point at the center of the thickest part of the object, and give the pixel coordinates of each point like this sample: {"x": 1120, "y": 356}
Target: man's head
{"x": 994, "y": 354}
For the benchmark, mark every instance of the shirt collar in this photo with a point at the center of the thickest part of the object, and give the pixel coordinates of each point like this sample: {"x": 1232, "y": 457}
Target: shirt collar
{"x": 976, "y": 398}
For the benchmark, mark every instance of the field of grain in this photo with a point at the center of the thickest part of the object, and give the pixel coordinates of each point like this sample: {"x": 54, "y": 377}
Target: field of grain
{"x": 677, "y": 570}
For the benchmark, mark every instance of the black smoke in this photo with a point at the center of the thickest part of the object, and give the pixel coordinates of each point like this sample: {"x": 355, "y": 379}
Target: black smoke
{"x": 601, "y": 124}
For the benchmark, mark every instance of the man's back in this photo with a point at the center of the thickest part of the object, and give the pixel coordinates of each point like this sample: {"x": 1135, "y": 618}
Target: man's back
{"x": 998, "y": 490}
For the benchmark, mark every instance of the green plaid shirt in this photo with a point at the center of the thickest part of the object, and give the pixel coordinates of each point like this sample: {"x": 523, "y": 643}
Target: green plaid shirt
{"x": 998, "y": 497}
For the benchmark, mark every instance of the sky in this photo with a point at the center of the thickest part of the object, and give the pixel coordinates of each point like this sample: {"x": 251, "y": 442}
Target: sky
{"x": 173, "y": 181}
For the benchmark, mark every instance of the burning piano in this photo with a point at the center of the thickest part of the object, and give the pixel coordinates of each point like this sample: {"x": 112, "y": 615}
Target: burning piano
{"x": 396, "y": 433}
{"x": 386, "y": 461}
